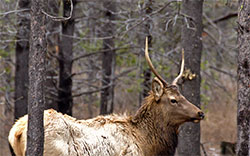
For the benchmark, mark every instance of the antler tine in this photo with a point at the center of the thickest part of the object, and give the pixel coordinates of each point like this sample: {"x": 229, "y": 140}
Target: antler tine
{"x": 181, "y": 71}
{"x": 151, "y": 65}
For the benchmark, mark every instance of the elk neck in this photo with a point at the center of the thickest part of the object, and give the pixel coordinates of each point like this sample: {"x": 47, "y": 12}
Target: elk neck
{"x": 159, "y": 135}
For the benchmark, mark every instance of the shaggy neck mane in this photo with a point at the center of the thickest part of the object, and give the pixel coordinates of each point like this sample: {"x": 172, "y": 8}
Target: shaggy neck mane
{"x": 160, "y": 137}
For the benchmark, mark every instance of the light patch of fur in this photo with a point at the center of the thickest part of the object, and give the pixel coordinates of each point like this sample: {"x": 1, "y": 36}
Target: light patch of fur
{"x": 64, "y": 135}
{"x": 16, "y": 138}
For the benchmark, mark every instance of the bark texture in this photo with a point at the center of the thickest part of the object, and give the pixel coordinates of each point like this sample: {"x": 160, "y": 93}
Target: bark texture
{"x": 189, "y": 138}
{"x": 108, "y": 60}
{"x": 22, "y": 59}
{"x": 243, "y": 111}
{"x": 37, "y": 54}
{"x": 65, "y": 103}
{"x": 145, "y": 73}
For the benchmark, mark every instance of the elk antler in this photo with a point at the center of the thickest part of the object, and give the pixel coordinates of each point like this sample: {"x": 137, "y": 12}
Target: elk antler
{"x": 181, "y": 71}
{"x": 151, "y": 65}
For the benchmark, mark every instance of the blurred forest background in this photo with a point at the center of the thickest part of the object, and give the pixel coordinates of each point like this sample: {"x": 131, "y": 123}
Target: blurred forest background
{"x": 117, "y": 75}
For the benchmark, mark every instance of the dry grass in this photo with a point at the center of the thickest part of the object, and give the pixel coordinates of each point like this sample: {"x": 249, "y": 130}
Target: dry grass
{"x": 220, "y": 122}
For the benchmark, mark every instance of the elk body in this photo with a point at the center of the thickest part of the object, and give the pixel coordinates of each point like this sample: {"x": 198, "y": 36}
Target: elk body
{"x": 151, "y": 131}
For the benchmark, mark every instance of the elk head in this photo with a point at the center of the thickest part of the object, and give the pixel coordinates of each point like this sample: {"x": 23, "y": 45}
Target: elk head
{"x": 169, "y": 100}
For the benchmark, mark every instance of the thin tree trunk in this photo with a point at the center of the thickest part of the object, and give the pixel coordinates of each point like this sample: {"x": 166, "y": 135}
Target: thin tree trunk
{"x": 22, "y": 58}
{"x": 108, "y": 60}
{"x": 52, "y": 38}
{"x": 91, "y": 77}
{"x": 243, "y": 110}
{"x": 36, "y": 101}
{"x": 189, "y": 137}
{"x": 145, "y": 72}
{"x": 65, "y": 103}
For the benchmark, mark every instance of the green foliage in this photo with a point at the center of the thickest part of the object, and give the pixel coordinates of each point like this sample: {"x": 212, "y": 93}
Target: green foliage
{"x": 89, "y": 46}
{"x": 215, "y": 75}
{"x": 204, "y": 85}
{"x": 97, "y": 103}
{"x": 136, "y": 87}
{"x": 132, "y": 74}
{"x": 123, "y": 59}
{"x": 204, "y": 65}
{"x": 3, "y": 89}
{"x": 164, "y": 70}
{"x": 205, "y": 100}
{"x": 241, "y": 7}
{"x": 8, "y": 70}
{"x": 119, "y": 60}
{"x": 60, "y": 8}
{"x": 128, "y": 61}
{"x": 4, "y": 53}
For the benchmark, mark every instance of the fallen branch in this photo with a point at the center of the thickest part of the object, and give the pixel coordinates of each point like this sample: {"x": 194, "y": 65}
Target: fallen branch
{"x": 203, "y": 148}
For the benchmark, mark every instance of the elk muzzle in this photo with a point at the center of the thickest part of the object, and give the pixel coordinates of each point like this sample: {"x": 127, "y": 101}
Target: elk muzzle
{"x": 200, "y": 116}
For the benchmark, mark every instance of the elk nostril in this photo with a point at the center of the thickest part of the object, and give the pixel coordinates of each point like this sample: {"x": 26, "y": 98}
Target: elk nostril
{"x": 201, "y": 115}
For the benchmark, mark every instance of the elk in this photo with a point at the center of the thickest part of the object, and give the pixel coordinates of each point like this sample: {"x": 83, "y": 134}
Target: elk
{"x": 153, "y": 130}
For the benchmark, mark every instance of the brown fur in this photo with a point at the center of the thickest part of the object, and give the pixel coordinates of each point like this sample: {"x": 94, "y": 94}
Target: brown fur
{"x": 161, "y": 138}
{"x": 151, "y": 131}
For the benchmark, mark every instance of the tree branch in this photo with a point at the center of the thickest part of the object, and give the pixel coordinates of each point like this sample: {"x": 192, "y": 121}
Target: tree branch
{"x": 147, "y": 17}
{"x": 13, "y": 11}
{"x": 98, "y": 52}
{"x": 224, "y": 72}
{"x": 61, "y": 18}
{"x": 226, "y": 17}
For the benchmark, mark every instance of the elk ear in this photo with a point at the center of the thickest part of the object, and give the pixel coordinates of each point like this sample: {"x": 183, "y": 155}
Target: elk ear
{"x": 157, "y": 88}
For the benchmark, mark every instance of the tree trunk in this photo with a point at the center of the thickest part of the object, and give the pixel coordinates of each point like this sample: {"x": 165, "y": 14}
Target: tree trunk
{"x": 189, "y": 137}
{"x": 52, "y": 38}
{"x": 22, "y": 58}
{"x": 65, "y": 103}
{"x": 243, "y": 111}
{"x": 108, "y": 60}
{"x": 37, "y": 54}
{"x": 145, "y": 72}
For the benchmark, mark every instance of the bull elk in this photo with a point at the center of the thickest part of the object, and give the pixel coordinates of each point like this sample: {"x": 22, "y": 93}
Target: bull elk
{"x": 151, "y": 131}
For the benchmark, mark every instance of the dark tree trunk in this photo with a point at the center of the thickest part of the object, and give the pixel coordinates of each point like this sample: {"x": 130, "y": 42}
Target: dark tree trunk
{"x": 22, "y": 57}
{"x": 65, "y": 103}
{"x": 145, "y": 72}
{"x": 108, "y": 60}
{"x": 37, "y": 54}
{"x": 189, "y": 137}
{"x": 52, "y": 38}
{"x": 243, "y": 111}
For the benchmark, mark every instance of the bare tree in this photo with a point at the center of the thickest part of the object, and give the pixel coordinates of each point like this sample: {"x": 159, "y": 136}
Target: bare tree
{"x": 189, "y": 138}
{"x": 22, "y": 58}
{"x": 243, "y": 115}
{"x": 65, "y": 103}
{"x": 36, "y": 100}
{"x": 52, "y": 38}
{"x": 108, "y": 59}
{"x": 145, "y": 73}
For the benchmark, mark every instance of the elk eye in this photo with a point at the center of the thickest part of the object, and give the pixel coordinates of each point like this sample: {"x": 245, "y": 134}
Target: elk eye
{"x": 173, "y": 101}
